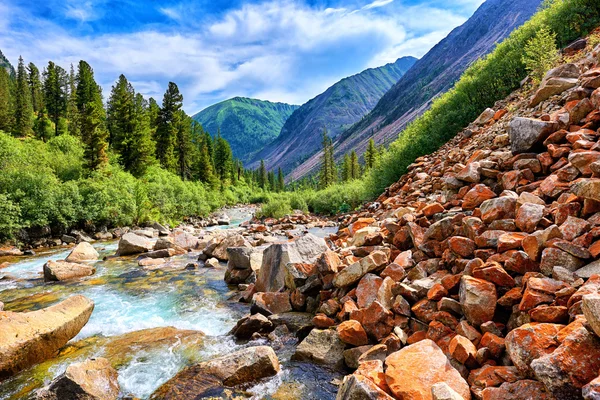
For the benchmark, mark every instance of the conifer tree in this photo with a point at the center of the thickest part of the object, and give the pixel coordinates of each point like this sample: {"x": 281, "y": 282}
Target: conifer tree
{"x": 346, "y": 168}
{"x": 183, "y": 146}
{"x": 168, "y": 125}
{"x": 272, "y": 182}
{"x": 280, "y": 180}
{"x": 6, "y": 101}
{"x": 55, "y": 97}
{"x": 370, "y": 154}
{"x": 202, "y": 167}
{"x": 119, "y": 115}
{"x": 354, "y": 166}
{"x": 72, "y": 111}
{"x": 43, "y": 128}
{"x": 92, "y": 117}
{"x": 328, "y": 173}
{"x": 262, "y": 177}
{"x": 153, "y": 111}
{"x": 35, "y": 86}
{"x": 23, "y": 109}
{"x": 223, "y": 158}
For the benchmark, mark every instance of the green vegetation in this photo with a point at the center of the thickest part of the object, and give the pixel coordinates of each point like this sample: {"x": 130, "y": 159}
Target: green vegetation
{"x": 541, "y": 54}
{"x": 247, "y": 124}
{"x": 67, "y": 161}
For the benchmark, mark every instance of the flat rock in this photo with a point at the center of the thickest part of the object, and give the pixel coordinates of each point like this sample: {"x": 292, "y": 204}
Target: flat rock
{"x": 31, "y": 337}
{"x": 83, "y": 252}
{"x": 64, "y": 271}
{"x": 130, "y": 243}
{"x": 321, "y": 347}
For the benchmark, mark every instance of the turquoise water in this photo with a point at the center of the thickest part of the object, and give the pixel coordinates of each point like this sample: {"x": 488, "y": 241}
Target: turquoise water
{"x": 129, "y": 298}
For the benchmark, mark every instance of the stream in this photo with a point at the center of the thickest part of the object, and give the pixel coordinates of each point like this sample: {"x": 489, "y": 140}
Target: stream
{"x": 129, "y": 298}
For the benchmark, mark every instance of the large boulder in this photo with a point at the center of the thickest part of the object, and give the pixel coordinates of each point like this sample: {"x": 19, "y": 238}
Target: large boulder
{"x": 93, "y": 379}
{"x": 83, "y": 252}
{"x": 31, "y": 337}
{"x": 205, "y": 379}
{"x": 271, "y": 277}
{"x": 555, "y": 82}
{"x": 412, "y": 371}
{"x": 220, "y": 251}
{"x": 527, "y": 133}
{"x": 321, "y": 347}
{"x": 130, "y": 243}
{"x": 184, "y": 239}
{"x": 245, "y": 257}
{"x": 64, "y": 271}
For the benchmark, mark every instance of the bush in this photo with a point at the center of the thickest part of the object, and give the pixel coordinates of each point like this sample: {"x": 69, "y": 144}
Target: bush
{"x": 541, "y": 54}
{"x": 275, "y": 208}
{"x": 341, "y": 197}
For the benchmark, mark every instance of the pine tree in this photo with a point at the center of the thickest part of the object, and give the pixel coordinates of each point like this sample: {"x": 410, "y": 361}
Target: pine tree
{"x": 223, "y": 158}
{"x": 370, "y": 155}
{"x": 55, "y": 96}
{"x": 280, "y": 180}
{"x": 346, "y": 168}
{"x": 183, "y": 146}
{"x": 119, "y": 115}
{"x": 262, "y": 177}
{"x": 354, "y": 166}
{"x": 6, "y": 101}
{"x": 35, "y": 86}
{"x": 23, "y": 109}
{"x": 92, "y": 117}
{"x": 153, "y": 111}
{"x": 168, "y": 124}
{"x": 328, "y": 173}
{"x": 72, "y": 111}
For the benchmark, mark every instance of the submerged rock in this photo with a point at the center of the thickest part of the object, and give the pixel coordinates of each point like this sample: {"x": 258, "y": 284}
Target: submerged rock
{"x": 64, "y": 271}
{"x": 31, "y": 337}
{"x": 207, "y": 379}
{"x": 93, "y": 379}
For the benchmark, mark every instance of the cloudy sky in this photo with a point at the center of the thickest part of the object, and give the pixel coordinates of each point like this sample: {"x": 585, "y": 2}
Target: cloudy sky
{"x": 278, "y": 50}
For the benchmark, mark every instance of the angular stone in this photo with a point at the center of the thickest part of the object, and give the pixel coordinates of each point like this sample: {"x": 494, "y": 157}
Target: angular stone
{"x": 590, "y": 306}
{"x": 321, "y": 347}
{"x": 246, "y": 327}
{"x": 64, "y": 271}
{"x": 353, "y": 333}
{"x": 552, "y": 257}
{"x": 529, "y": 216}
{"x": 519, "y": 390}
{"x": 477, "y": 195}
{"x": 130, "y": 243}
{"x": 31, "y": 337}
{"x": 478, "y": 299}
{"x": 412, "y": 371}
{"x": 367, "y": 289}
{"x": 93, "y": 379}
{"x": 530, "y": 342}
{"x": 358, "y": 387}
{"x": 587, "y": 188}
{"x": 526, "y": 133}
{"x": 268, "y": 303}
{"x": 498, "y": 208}
{"x": 441, "y": 391}
{"x": 462, "y": 349}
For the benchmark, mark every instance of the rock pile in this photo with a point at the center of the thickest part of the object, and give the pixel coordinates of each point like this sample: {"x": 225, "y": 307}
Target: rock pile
{"x": 478, "y": 273}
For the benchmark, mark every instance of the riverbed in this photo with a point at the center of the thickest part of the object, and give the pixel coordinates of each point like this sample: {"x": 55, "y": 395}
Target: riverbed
{"x": 129, "y": 298}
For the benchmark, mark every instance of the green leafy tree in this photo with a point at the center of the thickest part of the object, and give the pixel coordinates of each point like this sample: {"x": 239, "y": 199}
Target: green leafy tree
{"x": 35, "y": 86}
{"x": 43, "y": 127}
{"x": 55, "y": 96}
{"x": 541, "y": 54}
{"x": 167, "y": 128}
{"x": 23, "y": 109}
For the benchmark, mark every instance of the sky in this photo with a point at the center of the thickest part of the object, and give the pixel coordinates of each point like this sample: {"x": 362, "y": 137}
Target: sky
{"x": 277, "y": 50}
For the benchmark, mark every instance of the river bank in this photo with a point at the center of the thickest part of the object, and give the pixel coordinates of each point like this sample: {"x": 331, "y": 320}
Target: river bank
{"x": 135, "y": 308}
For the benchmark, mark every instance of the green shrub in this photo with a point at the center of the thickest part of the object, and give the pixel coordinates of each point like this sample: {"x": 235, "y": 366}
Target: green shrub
{"x": 275, "y": 208}
{"x": 9, "y": 217}
{"x": 541, "y": 54}
{"x": 341, "y": 197}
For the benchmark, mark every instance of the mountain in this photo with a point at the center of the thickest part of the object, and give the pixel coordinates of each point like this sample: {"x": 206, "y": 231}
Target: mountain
{"x": 6, "y": 64}
{"x": 340, "y": 106}
{"x": 432, "y": 75}
{"x": 247, "y": 124}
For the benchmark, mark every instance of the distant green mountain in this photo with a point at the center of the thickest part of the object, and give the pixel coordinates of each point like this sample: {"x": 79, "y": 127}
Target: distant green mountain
{"x": 247, "y": 124}
{"x": 336, "y": 109}
{"x": 4, "y": 63}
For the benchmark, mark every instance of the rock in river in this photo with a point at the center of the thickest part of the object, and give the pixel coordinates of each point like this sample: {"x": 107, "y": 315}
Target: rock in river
{"x": 64, "y": 271}
{"x": 32, "y": 337}
{"x": 208, "y": 378}
{"x": 131, "y": 243}
{"x": 83, "y": 252}
{"x": 93, "y": 379}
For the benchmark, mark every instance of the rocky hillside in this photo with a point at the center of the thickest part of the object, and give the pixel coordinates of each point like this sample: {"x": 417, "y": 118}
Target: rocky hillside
{"x": 476, "y": 275}
{"x": 247, "y": 124}
{"x": 6, "y": 64}
{"x": 340, "y": 106}
{"x": 432, "y": 75}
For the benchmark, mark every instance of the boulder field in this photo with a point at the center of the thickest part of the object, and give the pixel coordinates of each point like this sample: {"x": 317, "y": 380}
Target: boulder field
{"x": 476, "y": 275}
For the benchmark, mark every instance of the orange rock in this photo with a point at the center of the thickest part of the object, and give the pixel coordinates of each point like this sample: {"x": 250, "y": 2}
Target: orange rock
{"x": 462, "y": 349}
{"x": 373, "y": 370}
{"x": 478, "y": 299}
{"x": 519, "y": 390}
{"x": 477, "y": 195}
{"x": 461, "y": 246}
{"x": 493, "y": 272}
{"x": 436, "y": 292}
{"x": 322, "y": 321}
{"x": 353, "y": 333}
{"x": 413, "y": 370}
{"x": 510, "y": 241}
{"x": 494, "y": 343}
{"x": 432, "y": 209}
{"x": 530, "y": 342}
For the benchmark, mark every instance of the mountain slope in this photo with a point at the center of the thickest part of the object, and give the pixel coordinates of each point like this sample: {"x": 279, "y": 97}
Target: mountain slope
{"x": 340, "y": 106}
{"x": 432, "y": 75}
{"x": 247, "y": 124}
{"x": 6, "y": 64}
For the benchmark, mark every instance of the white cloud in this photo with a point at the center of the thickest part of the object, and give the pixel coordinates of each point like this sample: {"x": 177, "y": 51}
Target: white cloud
{"x": 377, "y": 3}
{"x": 280, "y": 50}
{"x": 83, "y": 11}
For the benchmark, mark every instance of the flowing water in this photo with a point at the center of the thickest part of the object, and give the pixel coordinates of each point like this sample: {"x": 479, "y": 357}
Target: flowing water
{"x": 129, "y": 298}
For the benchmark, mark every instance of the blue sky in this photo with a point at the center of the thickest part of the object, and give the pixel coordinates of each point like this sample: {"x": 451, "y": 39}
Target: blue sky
{"x": 278, "y": 50}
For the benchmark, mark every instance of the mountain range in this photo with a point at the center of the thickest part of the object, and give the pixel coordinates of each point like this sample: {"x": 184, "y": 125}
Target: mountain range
{"x": 432, "y": 75}
{"x": 336, "y": 109}
{"x": 247, "y": 124}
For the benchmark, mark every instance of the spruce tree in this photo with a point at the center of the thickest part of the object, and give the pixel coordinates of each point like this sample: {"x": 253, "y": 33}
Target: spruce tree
{"x": 354, "y": 166}
{"x": 223, "y": 158}
{"x": 203, "y": 166}
{"x": 346, "y": 168}
{"x": 72, "y": 110}
{"x": 370, "y": 154}
{"x": 55, "y": 97}
{"x": 262, "y": 178}
{"x": 43, "y": 128}
{"x": 183, "y": 146}
{"x": 23, "y": 109}
{"x": 280, "y": 180}
{"x": 153, "y": 110}
{"x": 119, "y": 115}
{"x": 35, "y": 86}
{"x": 92, "y": 117}
{"x": 168, "y": 125}
{"x": 7, "y": 114}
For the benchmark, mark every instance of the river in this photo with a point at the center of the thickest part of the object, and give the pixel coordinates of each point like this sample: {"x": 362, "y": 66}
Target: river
{"x": 129, "y": 298}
